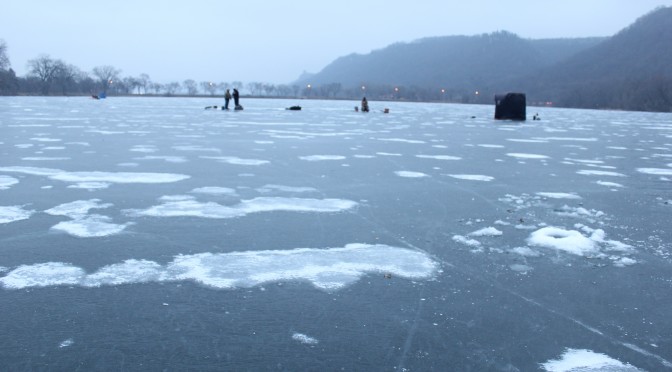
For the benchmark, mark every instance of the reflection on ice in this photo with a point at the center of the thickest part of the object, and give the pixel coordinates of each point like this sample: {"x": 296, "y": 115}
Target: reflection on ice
{"x": 326, "y": 269}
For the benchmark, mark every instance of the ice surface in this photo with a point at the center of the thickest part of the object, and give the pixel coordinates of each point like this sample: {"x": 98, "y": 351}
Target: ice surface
{"x": 138, "y": 207}
{"x": 326, "y": 269}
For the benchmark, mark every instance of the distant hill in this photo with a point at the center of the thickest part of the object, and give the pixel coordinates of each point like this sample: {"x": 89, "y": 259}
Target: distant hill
{"x": 450, "y": 61}
{"x": 586, "y": 72}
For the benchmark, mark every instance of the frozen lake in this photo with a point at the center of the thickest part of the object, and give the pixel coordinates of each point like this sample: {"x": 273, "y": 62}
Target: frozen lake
{"x": 151, "y": 234}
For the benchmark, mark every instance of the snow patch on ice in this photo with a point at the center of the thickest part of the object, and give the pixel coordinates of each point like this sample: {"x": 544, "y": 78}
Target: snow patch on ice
{"x": 588, "y": 172}
{"x": 282, "y": 188}
{"x": 558, "y": 195}
{"x": 472, "y": 177}
{"x": 321, "y": 157}
{"x": 466, "y": 241}
{"x": 304, "y": 339}
{"x": 96, "y": 176}
{"x": 527, "y": 156}
{"x": 7, "y": 181}
{"x": 193, "y": 208}
{"x": 656, "y": 171}
{"x": 409, "y": 174}
{"x": 439, "y": 157}
{"x": 14, "y": 213}
{"x": 214, "y": 190}
{"x": 575, "y": 360}
{"x": 327, "y": 269}
{"x": 487, "y": 231}
{"x": 236, "y": 161}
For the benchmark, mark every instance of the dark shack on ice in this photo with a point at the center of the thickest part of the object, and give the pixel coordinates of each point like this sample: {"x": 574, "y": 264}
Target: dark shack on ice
{"x": 510, "y": 106}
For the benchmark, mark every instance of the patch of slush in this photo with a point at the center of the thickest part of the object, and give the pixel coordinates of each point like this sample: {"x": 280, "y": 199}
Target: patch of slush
{"x": 14, "y": 213}
{"x": 112, "y": 177}
{"x": 304, "y": 339}
{"x": 236, "y": 161}
{"x": 326, "y": 269}
{"x": 487, "y": 231}
{"x": 526, "y": 156}
{"x": 321, "y": 157}
{"x": 472, "y": 177}
{"x": 558, "y": 195}
{"x": 409, "y": 174}
{"x": 7, "y": 181}
{"x": 575, "y": 360}
{"x": 193, "y": 208}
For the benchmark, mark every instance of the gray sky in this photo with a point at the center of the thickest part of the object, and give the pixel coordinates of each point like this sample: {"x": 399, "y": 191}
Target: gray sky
{"x": 274, "y": 41}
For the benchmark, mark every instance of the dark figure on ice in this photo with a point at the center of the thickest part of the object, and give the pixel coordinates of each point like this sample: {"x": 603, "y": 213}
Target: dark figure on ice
{"x": 365, "y": 105}
{"x": 236, "y": 97}
{"x": 227, "y": 98}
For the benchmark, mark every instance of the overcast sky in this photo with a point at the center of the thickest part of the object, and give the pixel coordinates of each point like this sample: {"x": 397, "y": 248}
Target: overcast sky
{"x": 274, "y": 41}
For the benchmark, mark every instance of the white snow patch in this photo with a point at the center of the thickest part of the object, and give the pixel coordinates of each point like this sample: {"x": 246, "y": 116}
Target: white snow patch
{"x": 472, "y": 177}
{"x": 327, "y": 269}
{"x": 656, "y": 171}
{"x": 236, "y": 161}
{"x": 570, "y": 241}
{"x": 588, "y": 172}
{"x": 214, "y": 190}
{"x": 466, "y": 241}
{"x": 112, "y": 177}
{"x": 7, "y": 181}
{"x": 77, "y": 209}
{"x": 559, "y": 195}
{"x": 14, "y": 213}
{"x": 439, "y": 157}
{"x": 92, "y": 226}
{"x": 487, "y": 231}
{"x": 609, "y": 184}
{"x": 409, "y": 174}
{"x": 575, "y": 360}
{"x": 321, "y": 157}
{"x": 193, "y": 208}
{"x": 304, "y": 339}
{"x": 527, "y": 156}
{"x": 283, "y": 188}
{"x": 525, "y": 252}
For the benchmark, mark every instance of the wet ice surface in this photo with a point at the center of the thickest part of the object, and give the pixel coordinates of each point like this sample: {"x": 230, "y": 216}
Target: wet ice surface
{"x": 156, "y": 233}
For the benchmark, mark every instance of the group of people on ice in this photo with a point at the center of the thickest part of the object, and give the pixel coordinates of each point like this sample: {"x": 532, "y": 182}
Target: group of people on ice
{"x": 236, "y": 99}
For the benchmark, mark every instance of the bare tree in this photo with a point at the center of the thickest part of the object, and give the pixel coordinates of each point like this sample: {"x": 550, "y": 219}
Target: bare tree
{"x": 44, "y": 69}
{"x": 145, "y": 81}
{"x": 106, "y": 75}
{"x": 209, "y": 87}
{"x": 172, "y": 87}
{"x": 65, "y": 76}
{"x": 191, "y": 86}
{"x": 132, "y": 84}
{"x": 4, "y": 59}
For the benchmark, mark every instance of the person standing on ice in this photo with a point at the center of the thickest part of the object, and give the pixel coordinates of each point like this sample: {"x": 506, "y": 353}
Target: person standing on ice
{"x": 365, "y": 105}
{"x": 236, "y": 97}
{"x": 227, "y": 98}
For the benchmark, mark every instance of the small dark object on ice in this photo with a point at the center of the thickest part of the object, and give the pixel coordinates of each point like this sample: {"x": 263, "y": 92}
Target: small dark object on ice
{"x": 294, "y": 108}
